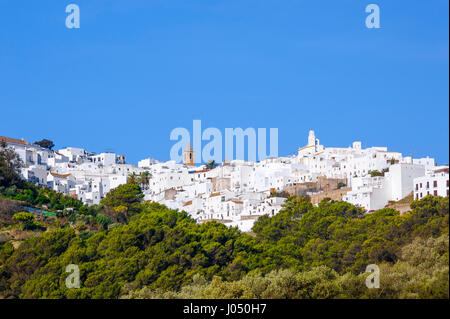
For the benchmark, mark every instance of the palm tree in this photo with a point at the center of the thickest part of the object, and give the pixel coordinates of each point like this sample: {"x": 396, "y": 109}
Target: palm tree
{"x": 211, "y": 165}
{"x": 132, "y": 179}
{"x": 144, "y": 178}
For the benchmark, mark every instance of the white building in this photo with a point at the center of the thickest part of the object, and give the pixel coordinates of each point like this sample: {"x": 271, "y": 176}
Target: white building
{"x": 236, "y": 193}
{"x": 373, "y": 193}
{"x": 354, "y": 161}
{"x": 73, "y": 154}
{"x": 147, "y": 163}
{"x": 435, "y": 183}
{"x": 104, "y": 159}
{"x": 29, "y": 154}
{"x": 35, "y": 174}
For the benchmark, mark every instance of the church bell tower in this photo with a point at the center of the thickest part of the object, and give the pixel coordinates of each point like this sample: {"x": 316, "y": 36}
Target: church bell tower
{"x": 188, "y": 155}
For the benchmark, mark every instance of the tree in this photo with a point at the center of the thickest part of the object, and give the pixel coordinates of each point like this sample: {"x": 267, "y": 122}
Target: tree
{"x": 211, "y": 165}
{"x": 103, "y": 220}
{"x": 280, "y": 194}
{"x": 132, "y": 179}
{"x": 144, "y": 179}
{"x": 341, "y": 185}
{"x": 376, "y": 173}
{"x": 25, "y": 219}
{"x": 126, "y": 195}
{"x": 45, "y": 144}
{"x": 10, "y": 164}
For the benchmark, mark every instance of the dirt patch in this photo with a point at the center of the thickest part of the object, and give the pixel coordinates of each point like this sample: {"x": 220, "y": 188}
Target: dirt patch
{"x": 16, "y": 235}
{"x": 7, "y": 210}
{"x": 403, "y": 205}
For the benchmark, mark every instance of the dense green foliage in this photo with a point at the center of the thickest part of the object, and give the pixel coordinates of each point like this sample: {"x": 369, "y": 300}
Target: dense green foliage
{"x": 159, "y": 247}
{"x": 26, "y": 220}
{"x": 128, "y": 196}
{"x": 318, "y": 252}
{"x": 336, "y": 234}
{"x": 37, "y": 196}
{"x": 421, "y": 273}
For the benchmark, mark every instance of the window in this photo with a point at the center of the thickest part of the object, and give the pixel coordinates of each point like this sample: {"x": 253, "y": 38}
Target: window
{"x": 435, "y": 193}
{"x": 428, "y": 184}
{"x": 417, "y": 186}
{"x": 435, "y": 184}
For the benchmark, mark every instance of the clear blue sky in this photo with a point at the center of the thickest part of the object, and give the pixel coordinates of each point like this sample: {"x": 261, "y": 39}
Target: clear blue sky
{"x": 137, "y": 69}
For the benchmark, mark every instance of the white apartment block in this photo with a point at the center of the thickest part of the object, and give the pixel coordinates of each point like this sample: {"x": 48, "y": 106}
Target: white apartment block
{"x": 435, "y": 183}
{"x": 373, "y": 193}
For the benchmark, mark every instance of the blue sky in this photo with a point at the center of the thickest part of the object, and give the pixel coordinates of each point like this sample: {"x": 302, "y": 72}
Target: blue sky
{"x": 137, "y": 69}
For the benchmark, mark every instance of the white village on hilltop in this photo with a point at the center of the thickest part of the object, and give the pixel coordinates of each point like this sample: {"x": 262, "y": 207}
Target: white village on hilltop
{"x": 237, "y": 192}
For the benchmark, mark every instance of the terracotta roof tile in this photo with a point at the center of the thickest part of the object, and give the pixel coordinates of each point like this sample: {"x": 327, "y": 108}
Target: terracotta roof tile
{"x": 12, "y": 140}
{"x": 215, "y": 194}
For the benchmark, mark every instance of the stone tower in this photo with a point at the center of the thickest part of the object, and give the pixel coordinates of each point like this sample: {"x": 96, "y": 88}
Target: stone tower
{"x": 188, "y": 155}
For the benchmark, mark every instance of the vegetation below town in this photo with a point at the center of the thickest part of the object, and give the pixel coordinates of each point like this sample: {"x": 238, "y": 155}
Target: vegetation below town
{"x": 128, "y": 248}
{"x": 303, "y": 252}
